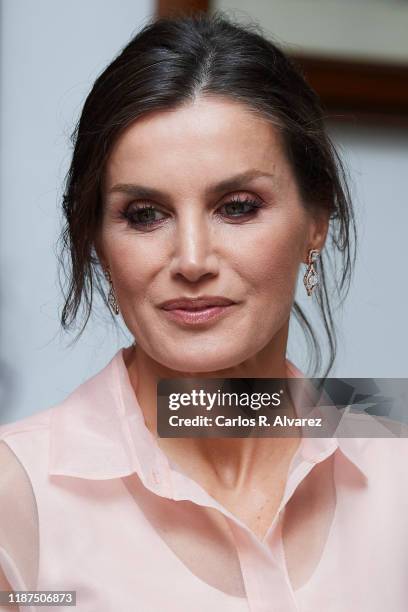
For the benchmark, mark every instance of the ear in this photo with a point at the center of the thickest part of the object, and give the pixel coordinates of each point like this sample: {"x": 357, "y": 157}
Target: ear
{"x": 318, "y": 229}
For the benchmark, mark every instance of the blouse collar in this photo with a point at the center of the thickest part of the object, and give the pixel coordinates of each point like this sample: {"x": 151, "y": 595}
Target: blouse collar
{"x": 99, "y": 433}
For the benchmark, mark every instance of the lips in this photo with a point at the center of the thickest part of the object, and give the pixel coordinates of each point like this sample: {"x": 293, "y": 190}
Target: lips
{"x": 196, "y": 303}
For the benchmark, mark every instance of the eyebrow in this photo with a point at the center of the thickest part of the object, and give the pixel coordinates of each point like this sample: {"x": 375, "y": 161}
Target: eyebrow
{"x": 234, "y": 182}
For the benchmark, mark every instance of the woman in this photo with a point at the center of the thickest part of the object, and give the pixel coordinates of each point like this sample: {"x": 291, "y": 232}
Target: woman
{"x": 202, "y": 178}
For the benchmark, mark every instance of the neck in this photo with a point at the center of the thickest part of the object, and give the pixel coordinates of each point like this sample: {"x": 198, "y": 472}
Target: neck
{"x": 231, "y": 462}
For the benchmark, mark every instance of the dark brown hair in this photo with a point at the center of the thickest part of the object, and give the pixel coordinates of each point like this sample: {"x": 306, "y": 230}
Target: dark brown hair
{"x": 168, "y": 63}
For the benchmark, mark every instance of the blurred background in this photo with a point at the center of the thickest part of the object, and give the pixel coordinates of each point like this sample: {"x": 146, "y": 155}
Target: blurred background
{"x": 354, "y": 52}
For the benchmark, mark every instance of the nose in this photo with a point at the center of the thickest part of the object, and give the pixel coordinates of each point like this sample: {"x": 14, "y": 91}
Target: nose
{"x": 194, "y": 252}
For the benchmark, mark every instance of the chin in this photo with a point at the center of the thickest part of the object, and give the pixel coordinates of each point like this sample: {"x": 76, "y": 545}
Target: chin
{"x": 201, "y": 361}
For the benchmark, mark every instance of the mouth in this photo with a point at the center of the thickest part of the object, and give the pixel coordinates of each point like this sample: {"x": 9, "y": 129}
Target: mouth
{"x": 197, "y": 315}
{"x": 197, "y": 311}
{"x": 194, "y": 303}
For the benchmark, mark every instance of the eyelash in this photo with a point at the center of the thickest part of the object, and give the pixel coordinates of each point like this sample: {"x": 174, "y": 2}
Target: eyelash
{"x": 128, "y": 214}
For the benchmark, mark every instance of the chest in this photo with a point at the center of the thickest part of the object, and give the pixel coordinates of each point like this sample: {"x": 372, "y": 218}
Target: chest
{"x": 256, "y": 507}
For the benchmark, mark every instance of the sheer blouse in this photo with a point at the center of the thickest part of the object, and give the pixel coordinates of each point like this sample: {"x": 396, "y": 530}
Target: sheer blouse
{"x": 90, "y": 503}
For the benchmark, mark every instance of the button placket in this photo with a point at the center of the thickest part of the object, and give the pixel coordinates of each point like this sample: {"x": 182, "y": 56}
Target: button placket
{"x": 265, "y": 579}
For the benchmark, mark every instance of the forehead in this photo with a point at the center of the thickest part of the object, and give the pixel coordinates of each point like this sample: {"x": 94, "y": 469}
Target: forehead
{"x": 209, "y": 135}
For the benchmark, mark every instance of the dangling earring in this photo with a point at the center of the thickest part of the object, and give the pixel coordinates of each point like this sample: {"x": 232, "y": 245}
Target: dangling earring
{"x": 311, "y": 278}
{"x": 111, "y": 295}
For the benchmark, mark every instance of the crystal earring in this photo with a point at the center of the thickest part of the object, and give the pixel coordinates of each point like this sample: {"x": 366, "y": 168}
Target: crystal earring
{"x": 311, "y": 278}
{"x": 111, "y": 295}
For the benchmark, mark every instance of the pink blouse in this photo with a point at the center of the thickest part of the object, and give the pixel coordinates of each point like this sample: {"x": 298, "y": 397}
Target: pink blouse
{"x": 89, "y": 502}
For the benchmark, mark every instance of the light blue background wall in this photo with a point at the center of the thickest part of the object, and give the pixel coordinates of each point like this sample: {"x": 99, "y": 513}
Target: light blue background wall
{"x": 373, "y": 328}
{"x": 51, "y": 52}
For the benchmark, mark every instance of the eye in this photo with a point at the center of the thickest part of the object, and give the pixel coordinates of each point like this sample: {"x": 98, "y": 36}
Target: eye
{"x": 142, "y": 215}
{"x": 241, "y": 207}
{"x": 145, "y": 216}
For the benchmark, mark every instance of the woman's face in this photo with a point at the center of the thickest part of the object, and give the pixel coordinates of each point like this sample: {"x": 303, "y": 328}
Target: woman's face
{"x": 201, "y": 201}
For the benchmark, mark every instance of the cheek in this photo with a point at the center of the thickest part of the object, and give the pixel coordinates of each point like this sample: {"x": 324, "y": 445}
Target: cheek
{"x": 271, "y": 259}
{"x": 132, "y": 264}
